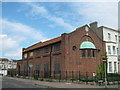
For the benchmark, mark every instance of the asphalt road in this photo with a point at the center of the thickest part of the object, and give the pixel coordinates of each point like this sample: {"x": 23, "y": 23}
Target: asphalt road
{"x": 11, "y": 83}
{"x": 22, "y": 83}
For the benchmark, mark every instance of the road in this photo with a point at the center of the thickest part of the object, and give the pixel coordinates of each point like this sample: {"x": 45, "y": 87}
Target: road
{"x": 11, "y": 83}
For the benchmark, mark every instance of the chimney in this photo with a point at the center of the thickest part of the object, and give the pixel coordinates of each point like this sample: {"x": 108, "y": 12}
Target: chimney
{"x": 93, "y": 26}
{"x": 23, "y": 49}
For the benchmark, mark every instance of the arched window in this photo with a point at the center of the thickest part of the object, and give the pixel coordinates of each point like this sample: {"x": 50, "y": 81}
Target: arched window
{"x": 87, "y": 45}
{"x": 87, "y": 49}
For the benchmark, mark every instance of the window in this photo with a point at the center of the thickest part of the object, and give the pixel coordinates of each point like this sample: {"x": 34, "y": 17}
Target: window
{"x": 25, "y": 68}
{"x": 114, "y": 50}
{"x": 56, "y": 68}
{"x": 116, "y": 38}
{"x": 110, "y": 66}
{"x": 31, "y": 54}
{"x": 25, "y": 55}
{"x": 37, "y": 67}
{"x": 109, "y": 36}
{"x": 74, "y": 48}
{"x": 93, "y": 53}
{"x": 37, "y": 52}
{"x": 109, "y": 50}
{"x": 119, "y": 38}
{"x": 117, "y": 51}
{"x": 46, "y": 68}
{"x": 83, "y": 53}
{"x": 115, "y": 67}
{"x": 46, "y": 50}
{"x": 89, "y": 53}
{"x": 57, "y": 47}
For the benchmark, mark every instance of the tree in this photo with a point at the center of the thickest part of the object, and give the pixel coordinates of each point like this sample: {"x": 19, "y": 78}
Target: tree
{"x": 101, "y": 67}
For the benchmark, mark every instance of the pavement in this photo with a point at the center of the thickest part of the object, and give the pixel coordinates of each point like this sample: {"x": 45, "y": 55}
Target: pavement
{"x": 13, "y": 83}
{"x": 51, "y": 84}
{"x": 45, "y": 84}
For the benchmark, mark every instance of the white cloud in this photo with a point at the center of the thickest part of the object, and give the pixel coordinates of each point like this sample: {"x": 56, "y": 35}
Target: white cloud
{"x": 61, "y": 1}
{"x": 38, "y": 10}
{"x": 15, "y": 36}
{"x": 106, "y": 13}
{"x": 22, "y": 30}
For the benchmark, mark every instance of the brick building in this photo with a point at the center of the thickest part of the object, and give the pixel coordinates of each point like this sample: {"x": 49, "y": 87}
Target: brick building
{"x": 80, "y": 50}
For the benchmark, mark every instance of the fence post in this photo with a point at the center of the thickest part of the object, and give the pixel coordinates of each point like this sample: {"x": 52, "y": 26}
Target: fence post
{"x": 15, "y": 72}
{"x": 42, "y": 74}
{"x": 79, "y": 76}
{"x": 38, "y": 73}
{"x": 54, "y": 74}
{"x": 72, "y": 76}
{"x": 66, "y": 75}
{"x": 86, "y": 78}
{"x": 59, "y": 76}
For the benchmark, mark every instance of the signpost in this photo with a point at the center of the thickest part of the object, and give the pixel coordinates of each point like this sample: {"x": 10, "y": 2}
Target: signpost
{"x": 104, "y": 60}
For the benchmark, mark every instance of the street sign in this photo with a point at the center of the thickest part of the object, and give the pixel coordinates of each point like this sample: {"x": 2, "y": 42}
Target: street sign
{"x": 104, "y": 59}
{"x": 30, "y": 65}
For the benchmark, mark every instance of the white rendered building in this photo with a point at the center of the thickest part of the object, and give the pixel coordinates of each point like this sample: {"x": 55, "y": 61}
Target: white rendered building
{"x": 111, "y": 37}
{"x": 6, "y": 64}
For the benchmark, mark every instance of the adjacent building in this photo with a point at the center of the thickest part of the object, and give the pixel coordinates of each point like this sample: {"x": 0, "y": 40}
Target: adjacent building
{"x": 112, "y": 39}
{"x": 6, "y": 64}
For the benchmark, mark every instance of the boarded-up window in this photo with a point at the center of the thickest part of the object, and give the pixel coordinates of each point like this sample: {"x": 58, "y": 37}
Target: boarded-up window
{"x": 25, "y": 68}
{"x": 25, "y": 55}
{"x": 56, "y": 67}
{"x": 31, "y": 54}
{"x": 37, "y": 67}
{"x": 37, "y": 52}
{"x": 57, "y": 47}
{"x": 46, "y": 50}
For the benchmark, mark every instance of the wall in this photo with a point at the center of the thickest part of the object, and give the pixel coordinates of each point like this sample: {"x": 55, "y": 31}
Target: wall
{"x": 112, "y": 57}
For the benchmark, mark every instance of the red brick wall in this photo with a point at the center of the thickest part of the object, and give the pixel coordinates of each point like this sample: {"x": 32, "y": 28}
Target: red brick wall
{"x": 73, "y": 59}
{"x": 70, "y": 60}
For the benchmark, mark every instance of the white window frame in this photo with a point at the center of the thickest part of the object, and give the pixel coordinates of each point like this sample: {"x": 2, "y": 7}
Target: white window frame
{"x": 110, "y": 66}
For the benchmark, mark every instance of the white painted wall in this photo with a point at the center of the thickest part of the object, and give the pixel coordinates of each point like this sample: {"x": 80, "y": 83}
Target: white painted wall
{"x": 112, "y": 42}
{"x": 5, "y": 65}
{"x": 3, "y": 72}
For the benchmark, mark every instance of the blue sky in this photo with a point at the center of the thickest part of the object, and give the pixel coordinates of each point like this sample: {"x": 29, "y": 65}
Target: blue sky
{"x": 25, "y": 23}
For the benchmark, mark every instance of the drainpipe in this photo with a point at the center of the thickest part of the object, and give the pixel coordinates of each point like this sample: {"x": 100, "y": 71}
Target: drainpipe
{"x": 50, "y": 59}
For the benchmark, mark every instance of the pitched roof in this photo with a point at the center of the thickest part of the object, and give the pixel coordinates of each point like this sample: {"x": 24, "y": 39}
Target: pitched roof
{"x": 4, "y": 59}
{"x": 15, "y": 60}
{"x": 41, "y": 44}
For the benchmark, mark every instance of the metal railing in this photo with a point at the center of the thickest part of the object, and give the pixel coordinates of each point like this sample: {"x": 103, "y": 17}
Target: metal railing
{"x": 68, "y": 76}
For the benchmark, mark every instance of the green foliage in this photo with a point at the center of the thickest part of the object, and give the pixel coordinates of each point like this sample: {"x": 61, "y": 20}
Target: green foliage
{"x": 35, "y": 78}
{"x": 18, "y": 76}
{"x": 24, "y": 77}
{"x": 72, "y": 79}
{"x": 41, "y": 79}
{"x": 101, "y": 66}
{"x": 87, "y": 80}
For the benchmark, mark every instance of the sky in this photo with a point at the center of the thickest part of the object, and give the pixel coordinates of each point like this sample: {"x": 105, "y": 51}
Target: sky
{"x": 26, "y": 23}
